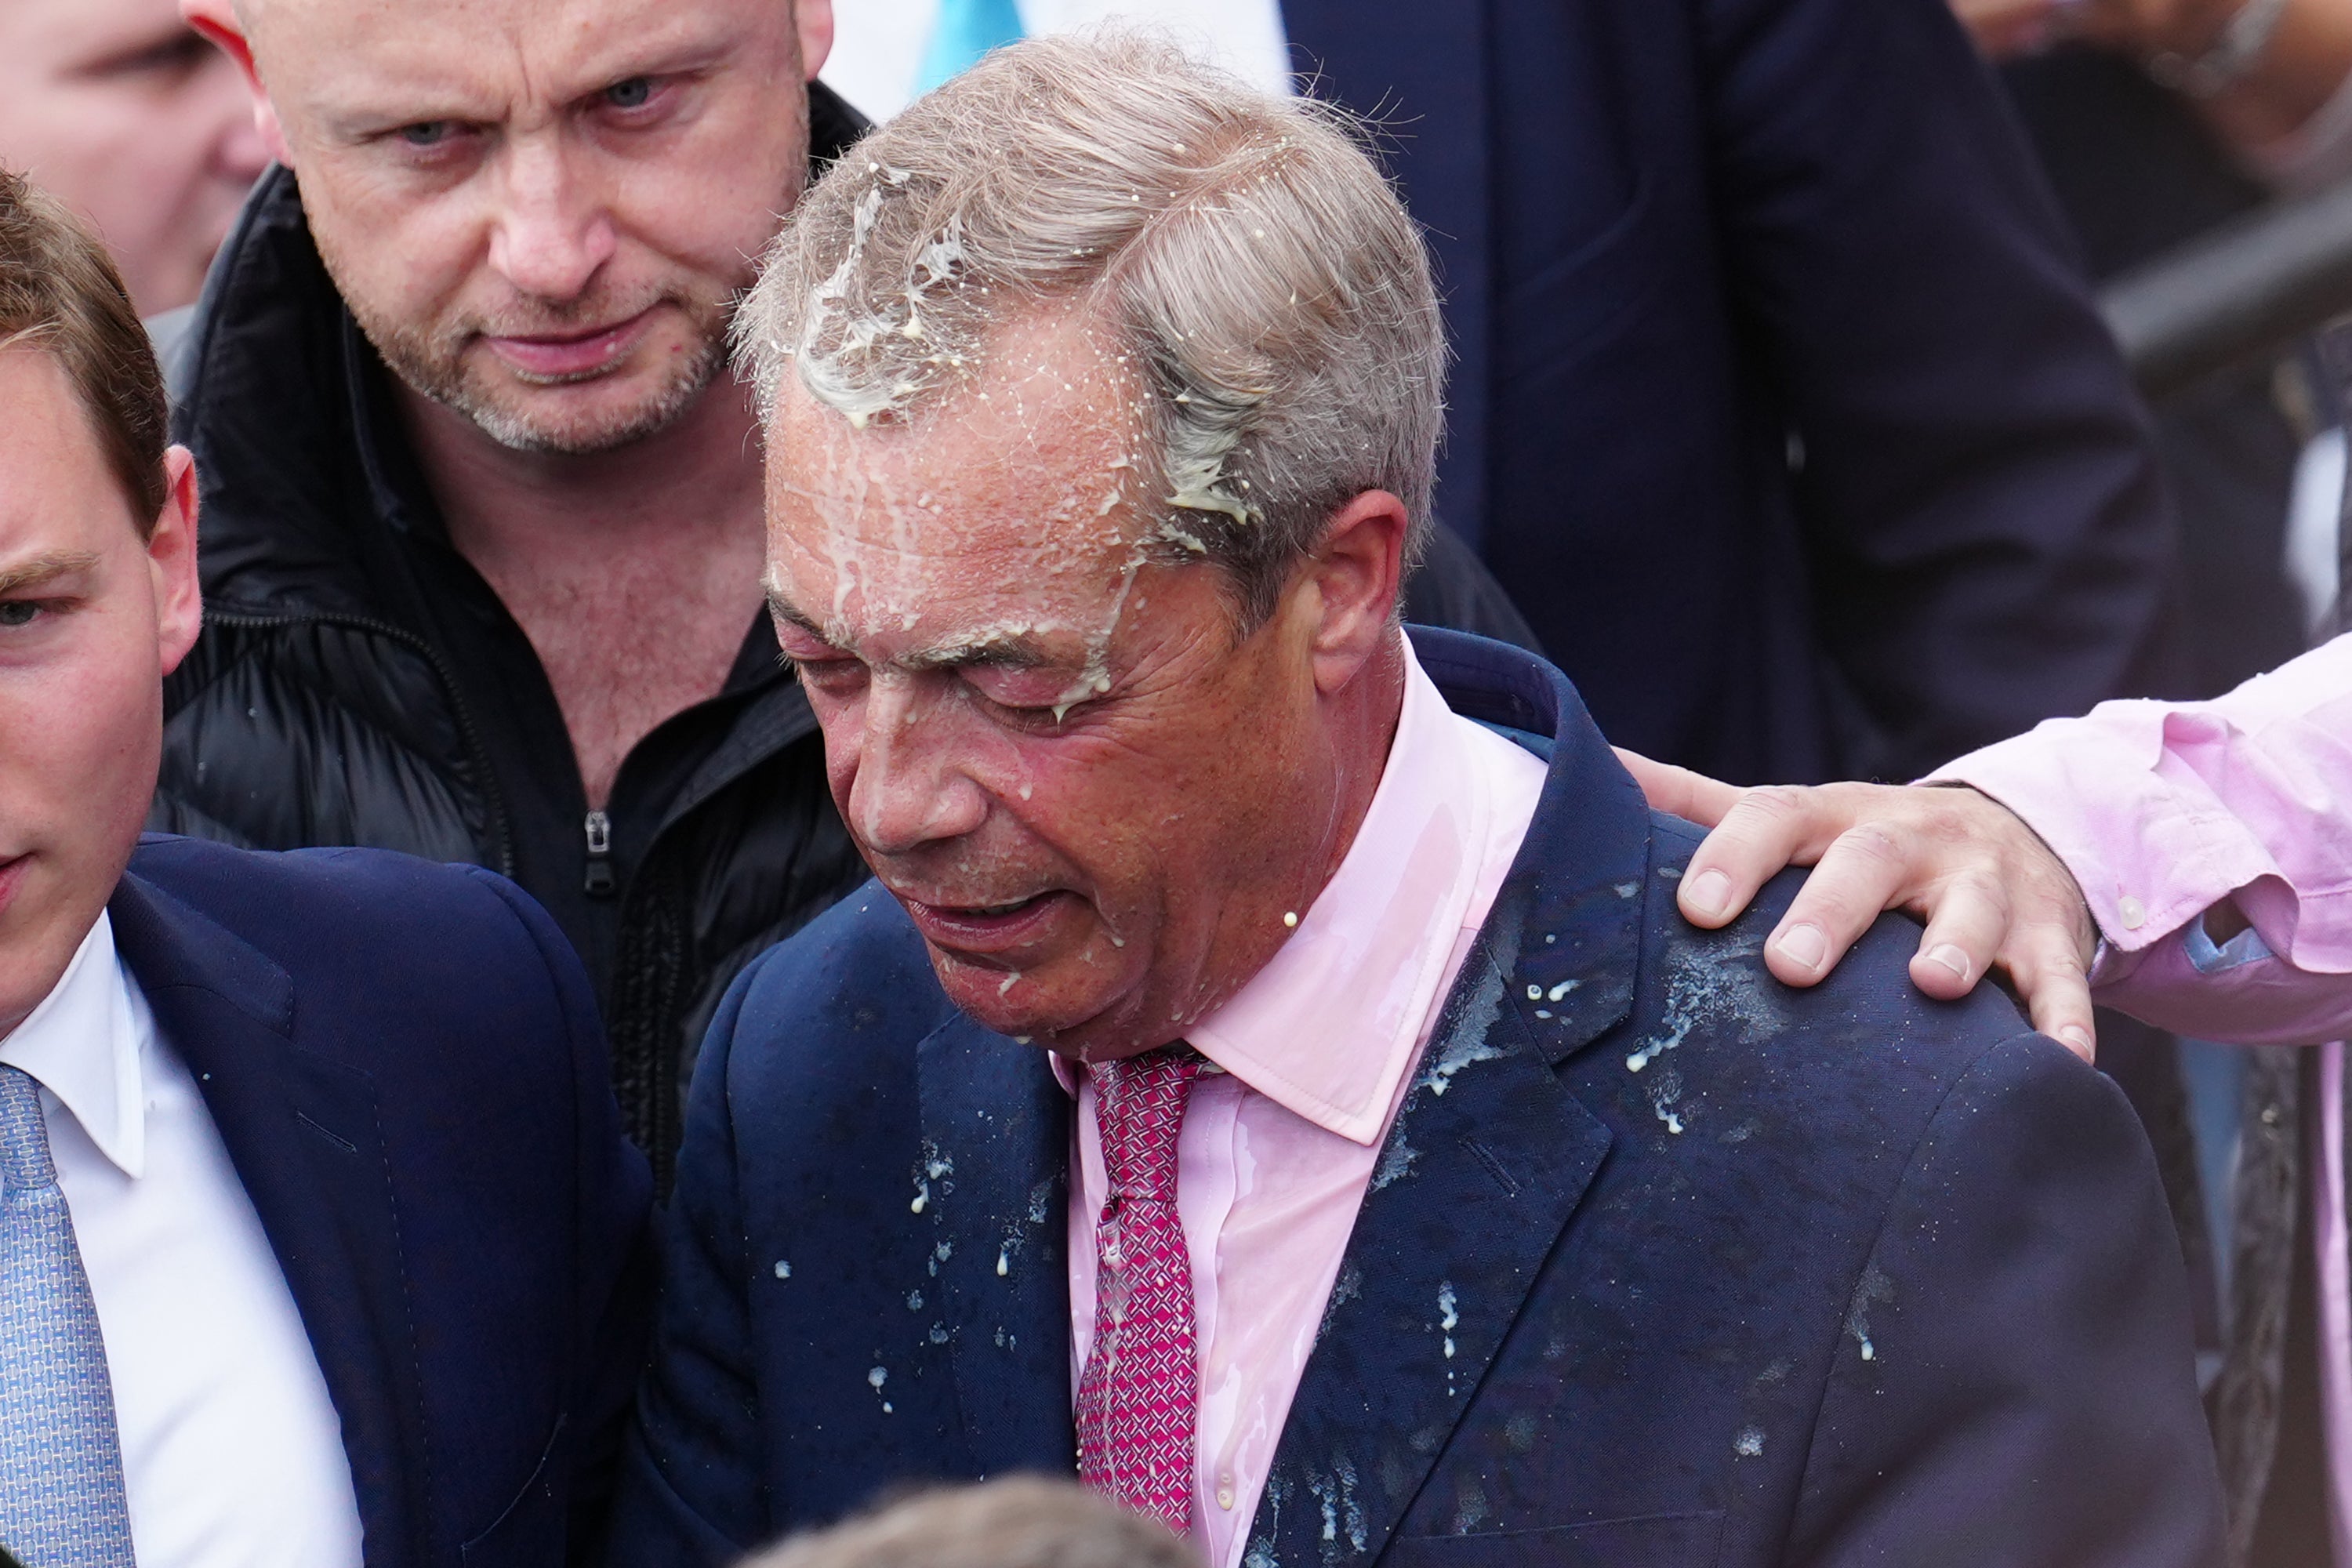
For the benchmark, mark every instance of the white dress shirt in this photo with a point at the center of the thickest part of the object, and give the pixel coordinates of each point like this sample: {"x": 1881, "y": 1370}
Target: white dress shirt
{"x": 877, "y": 45}
{"x": 232, "y": 1454}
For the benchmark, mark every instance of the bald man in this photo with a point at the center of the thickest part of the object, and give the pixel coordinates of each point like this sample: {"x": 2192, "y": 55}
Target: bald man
{"x": 482, "y": 534}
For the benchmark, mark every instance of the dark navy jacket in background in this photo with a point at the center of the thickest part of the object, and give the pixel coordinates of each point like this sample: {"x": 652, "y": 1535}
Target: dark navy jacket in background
{"x": 1673, "y": 235}
{"x": 405, "y": 1064}
{"x": 1661, "y": 1263}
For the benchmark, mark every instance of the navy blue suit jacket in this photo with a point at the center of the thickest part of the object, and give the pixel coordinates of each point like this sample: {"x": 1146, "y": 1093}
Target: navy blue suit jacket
{"x": 1673, "y": 235}
{"x": 1841, "y": 1276}
{"x": 404, "y": 1063}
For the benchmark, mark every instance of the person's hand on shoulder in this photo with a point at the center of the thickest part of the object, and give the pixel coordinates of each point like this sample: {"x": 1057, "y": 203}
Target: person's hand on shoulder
{"x": 1993, "y": 895}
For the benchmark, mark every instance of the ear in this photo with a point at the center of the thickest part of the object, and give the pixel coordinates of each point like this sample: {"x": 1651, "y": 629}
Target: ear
{"x": 172, "y": 561}
{"x": 815, "y": 19}
{"x": 216, "y": 20}
{"x": 1353, "y": 577}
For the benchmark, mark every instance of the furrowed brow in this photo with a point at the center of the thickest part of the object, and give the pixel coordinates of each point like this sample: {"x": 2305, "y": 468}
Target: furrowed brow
{"x": 44, "y": 569}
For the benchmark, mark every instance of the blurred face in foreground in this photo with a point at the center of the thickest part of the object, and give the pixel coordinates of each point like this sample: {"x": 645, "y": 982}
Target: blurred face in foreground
{"x": 92, "y": 617}
{"x": 120, "y": 111}
{"x": 1096, "y": 802}
{"x": 540, "y": 211}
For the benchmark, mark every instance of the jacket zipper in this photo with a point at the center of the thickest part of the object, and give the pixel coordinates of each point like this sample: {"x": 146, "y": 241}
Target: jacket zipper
{"x": 598, "y": 884}
{"x": 501, "y": 832}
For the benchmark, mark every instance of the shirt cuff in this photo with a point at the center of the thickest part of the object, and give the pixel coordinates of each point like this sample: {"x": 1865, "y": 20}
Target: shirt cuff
{"x": 2198, "y": 946}
{"x": 2149, "y": 857}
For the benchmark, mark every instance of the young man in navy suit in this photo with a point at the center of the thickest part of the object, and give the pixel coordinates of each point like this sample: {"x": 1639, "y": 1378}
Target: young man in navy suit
{"x": 1268, "y": 1069}
{"x": 319, "y": 1244}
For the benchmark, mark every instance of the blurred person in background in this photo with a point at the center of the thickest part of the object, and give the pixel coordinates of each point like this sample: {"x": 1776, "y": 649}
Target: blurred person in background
{"x": 2271, "y": 79}
{"x": 2157, "y": 121}
{"x": 119, "y": 110}
{"x": 1766, "y": 290}
{"x": 1026, "y": 1522}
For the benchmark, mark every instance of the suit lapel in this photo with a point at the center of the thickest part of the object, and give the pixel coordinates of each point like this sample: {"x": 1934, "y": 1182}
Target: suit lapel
{"x": 1487, "y": 1161}
{"x": 997, "y": 1124}
{"x": 303, "y": 1136}
{"x": 1421, "y": 71}
{"x": 1489, "y": 1155}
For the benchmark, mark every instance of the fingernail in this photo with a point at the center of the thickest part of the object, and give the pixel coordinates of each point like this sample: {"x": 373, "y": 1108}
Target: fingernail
{"x": 2077, "y": 1037}
{"x": 1803, "y": 945}
{"x": 1951, "y": 958}
{"x": 1707, "y": 893}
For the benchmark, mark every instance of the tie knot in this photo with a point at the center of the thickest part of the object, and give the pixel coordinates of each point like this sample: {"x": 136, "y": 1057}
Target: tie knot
{"x": 24, "y": 1165}
{"x": 1139, "y": 1111}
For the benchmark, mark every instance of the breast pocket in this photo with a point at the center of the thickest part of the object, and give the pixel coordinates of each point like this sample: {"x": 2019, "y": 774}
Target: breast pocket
{"x": 1651, "y": 1541}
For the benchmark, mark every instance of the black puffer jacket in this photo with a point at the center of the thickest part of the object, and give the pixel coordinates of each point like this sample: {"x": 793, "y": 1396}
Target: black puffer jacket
{"x": 330, "y": 703}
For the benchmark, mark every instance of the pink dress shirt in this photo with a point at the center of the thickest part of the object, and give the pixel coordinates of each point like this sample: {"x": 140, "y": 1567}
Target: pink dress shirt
{"x": 2163, "y": 809}
{"x": 1317, "y": 1050}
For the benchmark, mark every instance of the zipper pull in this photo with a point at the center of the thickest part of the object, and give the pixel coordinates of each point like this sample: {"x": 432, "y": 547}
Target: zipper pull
{"x": 599, "y": 882}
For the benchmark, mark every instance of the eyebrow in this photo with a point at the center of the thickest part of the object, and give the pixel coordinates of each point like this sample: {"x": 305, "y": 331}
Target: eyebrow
{"x": 45, "y": 568}
{"x": 1000, "y": 648}
{"x": 1003, "y": 650}
{"x": 363, "y": 115}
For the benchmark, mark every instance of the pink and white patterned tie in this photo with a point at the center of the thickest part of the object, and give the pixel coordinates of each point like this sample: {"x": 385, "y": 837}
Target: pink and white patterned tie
{"x": 1138, "y": 1395}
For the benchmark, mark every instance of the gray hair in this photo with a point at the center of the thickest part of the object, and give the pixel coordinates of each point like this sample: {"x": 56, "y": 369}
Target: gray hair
{"x": 1246, "y": 249}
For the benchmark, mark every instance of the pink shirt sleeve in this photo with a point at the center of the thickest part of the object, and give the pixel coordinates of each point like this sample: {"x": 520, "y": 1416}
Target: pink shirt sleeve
{"x": 2163, "y": 809}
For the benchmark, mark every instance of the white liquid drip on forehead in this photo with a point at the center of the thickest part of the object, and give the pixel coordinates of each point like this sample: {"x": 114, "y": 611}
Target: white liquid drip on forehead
{"x": 865, "y": 483}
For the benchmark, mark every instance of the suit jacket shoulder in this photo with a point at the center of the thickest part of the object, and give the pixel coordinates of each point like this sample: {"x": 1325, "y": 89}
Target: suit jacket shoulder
{"x": 404, "y": 1062}
{"x": 363, "y": 927}
{"x": 1893, "y": 1279}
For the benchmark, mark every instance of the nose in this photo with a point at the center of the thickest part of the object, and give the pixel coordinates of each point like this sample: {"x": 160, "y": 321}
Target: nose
{"x": 913, "y": 787}
{"x": 552, "y": 233}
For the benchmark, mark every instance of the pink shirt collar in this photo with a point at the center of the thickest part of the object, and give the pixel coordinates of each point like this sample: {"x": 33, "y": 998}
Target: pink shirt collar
{"x": 1329, "y": 1029}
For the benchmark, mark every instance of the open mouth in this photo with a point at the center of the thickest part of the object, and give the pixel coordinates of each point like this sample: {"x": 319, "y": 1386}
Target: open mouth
{"x": 991, "y": 911}
{"x": 994, "y": 929}
{"x": 12, "y": 873}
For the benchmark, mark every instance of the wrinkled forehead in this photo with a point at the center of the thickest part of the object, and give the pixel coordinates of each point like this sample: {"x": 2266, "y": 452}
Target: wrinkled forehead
{"x": 1019, "y": 491}
{"x": 491, "y": 58}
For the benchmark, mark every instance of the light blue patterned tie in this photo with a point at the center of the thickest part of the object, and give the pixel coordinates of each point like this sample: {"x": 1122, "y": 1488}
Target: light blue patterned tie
{"x": 965, "y": 31}
{"x": 61, "y": 1499}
